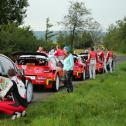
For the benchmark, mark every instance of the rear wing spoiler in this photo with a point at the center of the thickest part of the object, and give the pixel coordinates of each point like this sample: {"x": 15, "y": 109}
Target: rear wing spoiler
{"x": 29, "y": 53}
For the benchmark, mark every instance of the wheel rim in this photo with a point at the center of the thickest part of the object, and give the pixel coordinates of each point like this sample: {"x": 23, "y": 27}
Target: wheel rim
{"x": 57, "y": 83}
{"x": 29, "y": 92}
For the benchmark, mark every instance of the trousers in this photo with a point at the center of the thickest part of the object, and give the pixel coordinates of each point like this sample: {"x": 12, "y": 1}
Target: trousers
{"x": 68, "y": 80}
{"x": 8, "y": 107}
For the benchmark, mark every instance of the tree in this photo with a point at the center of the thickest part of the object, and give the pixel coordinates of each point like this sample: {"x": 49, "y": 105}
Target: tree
{"x": 13, "y": 39}
{"x": 12, "y": 11}
{"x": 115, "y": 38}
{"x": 95, "y": 31}
{"x": 76, "y": 20}
{"x": 49, "y": 34}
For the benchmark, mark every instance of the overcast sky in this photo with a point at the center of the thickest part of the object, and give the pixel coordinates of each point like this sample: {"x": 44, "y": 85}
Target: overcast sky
{"x": 106, "y": 12}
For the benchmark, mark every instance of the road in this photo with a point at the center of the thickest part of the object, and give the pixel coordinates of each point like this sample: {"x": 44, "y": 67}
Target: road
{"x": 43, "y": 94}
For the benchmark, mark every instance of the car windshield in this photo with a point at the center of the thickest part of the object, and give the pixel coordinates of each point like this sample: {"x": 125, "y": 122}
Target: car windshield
{"x": 34, "y": 61}
{"x": 83, "y": 57}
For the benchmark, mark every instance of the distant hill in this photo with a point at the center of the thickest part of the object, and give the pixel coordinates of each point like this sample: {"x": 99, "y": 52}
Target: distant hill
{"x": 41, "y": 34}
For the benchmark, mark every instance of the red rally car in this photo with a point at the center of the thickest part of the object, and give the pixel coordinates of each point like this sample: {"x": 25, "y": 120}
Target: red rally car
{"x": 41, "y": 69}
{"x": 79, "y": 68}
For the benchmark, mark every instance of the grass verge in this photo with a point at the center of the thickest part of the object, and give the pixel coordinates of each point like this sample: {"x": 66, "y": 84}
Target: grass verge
{"x": 100, "y": 102}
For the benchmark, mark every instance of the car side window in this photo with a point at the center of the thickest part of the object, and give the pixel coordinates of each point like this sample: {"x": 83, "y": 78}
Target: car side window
{"x": 6, "y": 63}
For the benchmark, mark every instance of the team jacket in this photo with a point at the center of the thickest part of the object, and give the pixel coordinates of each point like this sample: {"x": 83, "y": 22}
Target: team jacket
{"x": 109, "y": 55}
{"x": 18, "y": 91}
{"x": 93, "y": 55}
{"x": 59, "y": 52}
{"x": 102, "y": 56}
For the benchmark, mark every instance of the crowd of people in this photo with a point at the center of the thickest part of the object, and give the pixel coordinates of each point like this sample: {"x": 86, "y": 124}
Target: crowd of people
{"x": 100, "y": 55}
{"x": 16, "y": 87}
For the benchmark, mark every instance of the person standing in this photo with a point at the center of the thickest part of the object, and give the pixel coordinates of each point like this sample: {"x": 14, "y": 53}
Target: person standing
{"x": 92, "y": 59}
{"x": 17, "y": 106}
{"x": 103, "y": 59}
{"x": 59, "y": 53}
{"x": 109, "y": 59}
{"x": 68, "y": 64}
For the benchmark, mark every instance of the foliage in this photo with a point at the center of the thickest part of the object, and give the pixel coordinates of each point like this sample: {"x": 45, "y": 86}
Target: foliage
{"x": 12, "y": 11}
{"x": 115, "y": 38}
{"x": 13, "y": 39}
{"x": 82, "y": 39}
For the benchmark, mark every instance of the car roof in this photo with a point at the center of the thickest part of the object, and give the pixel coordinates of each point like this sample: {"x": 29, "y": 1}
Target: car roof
{"x": 6, "y": 57}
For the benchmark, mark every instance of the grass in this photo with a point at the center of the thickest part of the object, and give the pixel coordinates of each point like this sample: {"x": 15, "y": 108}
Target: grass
{"x": 100, "y": 102}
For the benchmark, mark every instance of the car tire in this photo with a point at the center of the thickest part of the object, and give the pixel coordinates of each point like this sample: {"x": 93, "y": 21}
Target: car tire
{"x": 56, "y": 85}
{"x": 29, "y": 91}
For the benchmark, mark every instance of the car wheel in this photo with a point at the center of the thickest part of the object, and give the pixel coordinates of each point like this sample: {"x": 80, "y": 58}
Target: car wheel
{"x": 29, "y": 91}
{"x": 57, "y": 84}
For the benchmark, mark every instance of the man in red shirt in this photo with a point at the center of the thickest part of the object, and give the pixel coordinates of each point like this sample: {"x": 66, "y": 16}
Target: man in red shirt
{"x": 59, "y": 53}
{"x": 103, "y": 58}
{"x": 92, "y": 59}
{"x": 109, "y": 59}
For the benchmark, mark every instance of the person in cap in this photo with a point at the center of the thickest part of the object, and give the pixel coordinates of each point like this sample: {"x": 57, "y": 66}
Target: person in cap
{"x": 68, "y": 64}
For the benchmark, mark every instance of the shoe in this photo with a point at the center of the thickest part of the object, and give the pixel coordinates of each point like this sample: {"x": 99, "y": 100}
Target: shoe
{"x": 23, "y": 113}
{"x": 14, "y": 116}
{"x": 18, "y": 114}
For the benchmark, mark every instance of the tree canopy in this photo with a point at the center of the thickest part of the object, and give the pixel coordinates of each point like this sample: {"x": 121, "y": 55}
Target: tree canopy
{"x": 115, "y": 38}
{"x": 13, "y": 39}
{"x": 12, "y": 11}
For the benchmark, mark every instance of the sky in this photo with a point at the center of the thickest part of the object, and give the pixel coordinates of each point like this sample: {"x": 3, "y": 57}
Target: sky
{"x": 106, "y": 12}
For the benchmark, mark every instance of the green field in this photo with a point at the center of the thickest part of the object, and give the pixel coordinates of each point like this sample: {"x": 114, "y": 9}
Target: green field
{"x": 100, "y": 102}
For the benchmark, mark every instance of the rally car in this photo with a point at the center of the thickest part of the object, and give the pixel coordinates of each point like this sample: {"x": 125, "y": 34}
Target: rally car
{"x": 41, "y": 69}
{"x": 79, "y": 68}
{"x": 99, "y": 66}
{"x": 5, "y": 65}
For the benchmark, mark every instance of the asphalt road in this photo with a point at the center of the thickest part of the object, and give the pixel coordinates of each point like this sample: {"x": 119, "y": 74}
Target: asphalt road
{"x": 43, "y": 94}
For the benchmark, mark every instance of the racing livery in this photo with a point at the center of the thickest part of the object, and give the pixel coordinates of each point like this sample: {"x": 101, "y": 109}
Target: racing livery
{"x": 79, "y": 68}
{"x": 41, "y": 69}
